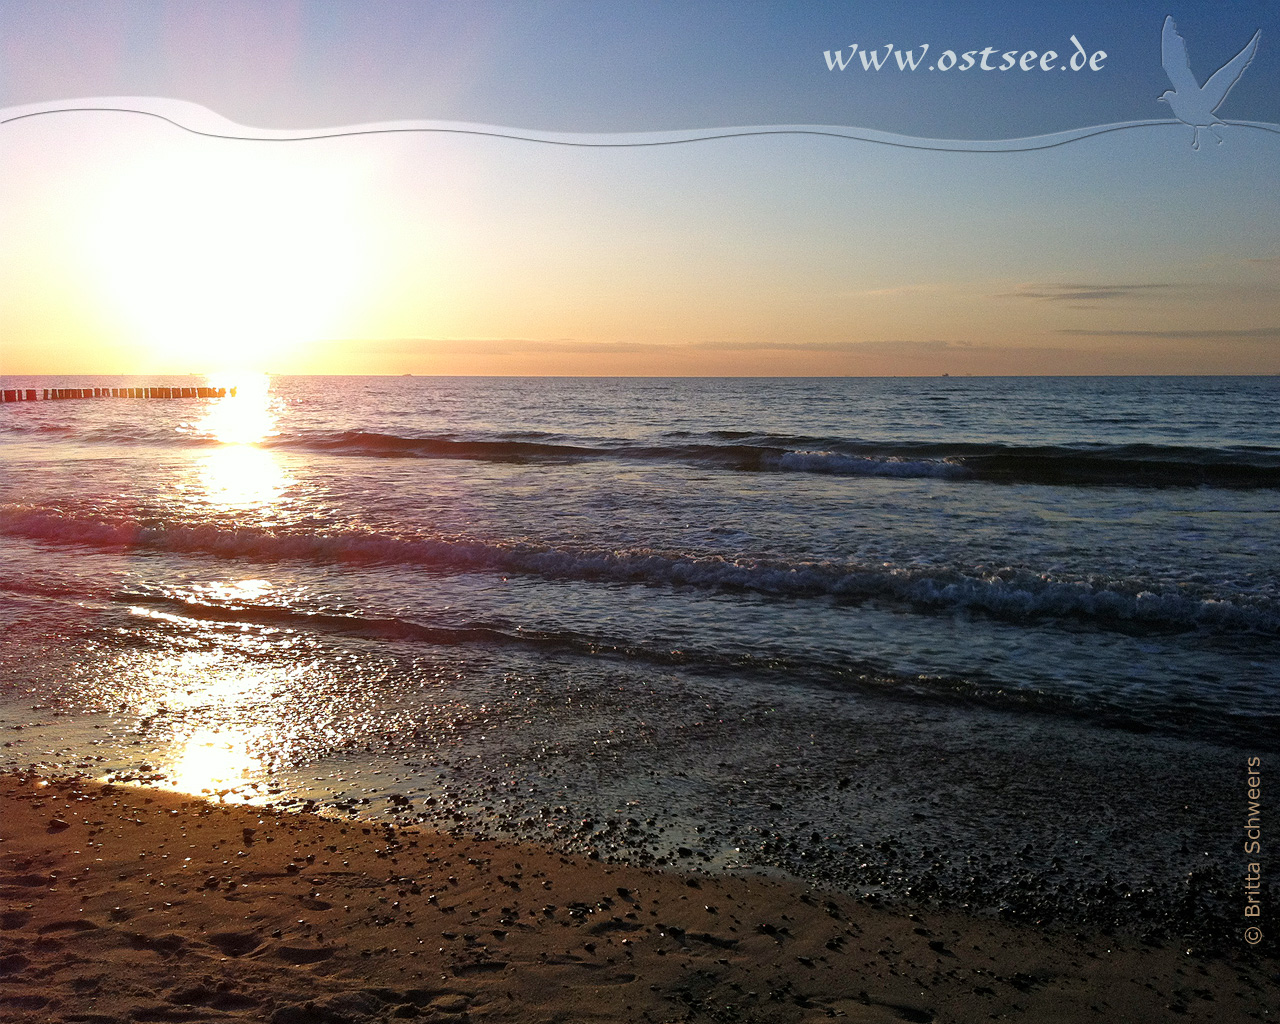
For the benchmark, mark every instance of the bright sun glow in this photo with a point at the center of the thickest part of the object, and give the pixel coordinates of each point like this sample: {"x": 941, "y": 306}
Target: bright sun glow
{"x": 247, "y": 418}
{"x": 225, "y": 256}
{"x": 214, "y": 761}
{"x": 242, "y": 477}
{"x": 238, "y": 474}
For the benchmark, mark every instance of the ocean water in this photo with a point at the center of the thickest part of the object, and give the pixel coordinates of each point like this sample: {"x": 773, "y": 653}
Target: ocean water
{"x": 997, "y": 641}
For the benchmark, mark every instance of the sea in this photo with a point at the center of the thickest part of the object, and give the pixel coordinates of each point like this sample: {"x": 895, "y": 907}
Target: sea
{"x": 1005, "y": 644}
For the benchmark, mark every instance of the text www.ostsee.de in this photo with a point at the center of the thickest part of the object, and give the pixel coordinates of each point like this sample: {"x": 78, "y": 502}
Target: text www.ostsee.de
{"x": 989, "y": 58}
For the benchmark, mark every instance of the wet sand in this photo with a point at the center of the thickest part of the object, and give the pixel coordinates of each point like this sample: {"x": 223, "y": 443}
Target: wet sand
{"x": 129, "y": 904}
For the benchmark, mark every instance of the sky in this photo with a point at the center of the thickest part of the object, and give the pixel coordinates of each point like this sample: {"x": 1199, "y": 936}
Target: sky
{"x": 132, "y": 246}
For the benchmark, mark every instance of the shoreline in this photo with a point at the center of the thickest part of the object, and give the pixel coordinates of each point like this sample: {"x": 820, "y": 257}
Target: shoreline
{"x": 124, "y": 903}
{"x": 974, "y": 811}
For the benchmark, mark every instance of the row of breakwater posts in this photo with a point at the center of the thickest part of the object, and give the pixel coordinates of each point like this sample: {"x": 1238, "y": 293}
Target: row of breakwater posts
{"x": 50, "y": 394}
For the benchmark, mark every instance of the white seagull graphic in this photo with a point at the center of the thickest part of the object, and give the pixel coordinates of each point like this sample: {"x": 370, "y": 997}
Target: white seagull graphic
{"x": 1190, "y": 102}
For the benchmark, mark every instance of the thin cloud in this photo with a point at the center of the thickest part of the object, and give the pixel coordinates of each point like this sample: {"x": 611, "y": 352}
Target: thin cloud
{"x": 905, "y": 289}
{"x": 1081, "y": 292}
{"x": 505, "y": 346}
{"x": 1247, "y": 333}
{"x": 502, "y": 346}
{"x": 1265, "y": 267}
{"x": 848, "y": 347}
{"x": 588, "y": 347}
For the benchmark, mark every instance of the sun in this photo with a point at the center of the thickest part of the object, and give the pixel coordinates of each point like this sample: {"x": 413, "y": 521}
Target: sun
{"x": 226, "y": 255}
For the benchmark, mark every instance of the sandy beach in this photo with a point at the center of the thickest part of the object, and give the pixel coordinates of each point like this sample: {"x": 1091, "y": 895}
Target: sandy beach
{"x": 639, "y": 512}
{"x": 130, "y": 904}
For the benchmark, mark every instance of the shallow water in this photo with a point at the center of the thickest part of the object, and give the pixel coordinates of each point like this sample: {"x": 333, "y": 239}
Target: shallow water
{"x": 824, "y": 625}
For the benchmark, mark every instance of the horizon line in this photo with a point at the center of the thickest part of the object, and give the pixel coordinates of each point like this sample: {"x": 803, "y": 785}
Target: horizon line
{"x": 646, "y": 376}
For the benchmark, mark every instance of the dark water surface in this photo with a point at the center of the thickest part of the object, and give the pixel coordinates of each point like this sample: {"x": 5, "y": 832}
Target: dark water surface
{"x": 1001, "y": 641}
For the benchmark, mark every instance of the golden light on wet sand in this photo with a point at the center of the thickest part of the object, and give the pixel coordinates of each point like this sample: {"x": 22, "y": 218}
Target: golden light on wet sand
{"x": 217, "y": 761}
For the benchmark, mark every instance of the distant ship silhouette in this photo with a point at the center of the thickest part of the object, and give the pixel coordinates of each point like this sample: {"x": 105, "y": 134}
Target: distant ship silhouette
{"x": 1191, "y": 103}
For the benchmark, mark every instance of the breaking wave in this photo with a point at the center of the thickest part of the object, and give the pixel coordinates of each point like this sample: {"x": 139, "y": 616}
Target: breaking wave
{"x": 1076, "y": 465}
{"x": 1011, "y": 593}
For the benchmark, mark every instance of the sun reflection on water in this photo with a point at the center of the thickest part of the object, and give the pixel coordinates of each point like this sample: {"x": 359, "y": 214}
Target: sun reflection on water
{"x": 205, "y": 711}
{"x": 215, "y": 761}
{"x": 249, "y": 418}
{"x": 240, "y": 474}
{"x": 236, "y": 590}
{"x": 227, "y": 712}
{"x": 243, "y": 477}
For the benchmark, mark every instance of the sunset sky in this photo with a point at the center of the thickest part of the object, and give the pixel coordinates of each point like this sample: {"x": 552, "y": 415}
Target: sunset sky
{"x": 132, "y": 246}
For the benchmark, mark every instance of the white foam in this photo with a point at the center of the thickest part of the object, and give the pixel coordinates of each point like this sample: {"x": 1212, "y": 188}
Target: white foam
{"x": 856, "y": 465}
{"x": 1018, "y": 594}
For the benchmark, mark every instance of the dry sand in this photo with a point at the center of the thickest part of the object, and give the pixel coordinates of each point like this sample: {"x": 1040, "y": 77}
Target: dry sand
{"x": 125, "y": 904}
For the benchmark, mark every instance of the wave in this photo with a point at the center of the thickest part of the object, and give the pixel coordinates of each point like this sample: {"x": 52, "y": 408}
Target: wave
{"x": 1076, "y": 465}
{"x": 768, "y": 454}
{"x": 1205, "y": 713}
{"x": 839, "y": 464}
{"x": 444, "y": 446}
{"x": 1012, "y": 594}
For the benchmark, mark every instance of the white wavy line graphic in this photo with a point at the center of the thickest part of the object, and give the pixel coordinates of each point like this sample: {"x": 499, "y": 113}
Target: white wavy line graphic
{"x": 200, "y": 120}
